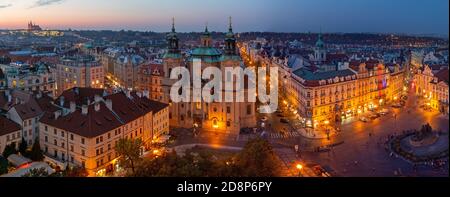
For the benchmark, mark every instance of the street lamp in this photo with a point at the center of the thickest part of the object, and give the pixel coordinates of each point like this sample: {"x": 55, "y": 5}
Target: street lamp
{"x": 299, "y": 168}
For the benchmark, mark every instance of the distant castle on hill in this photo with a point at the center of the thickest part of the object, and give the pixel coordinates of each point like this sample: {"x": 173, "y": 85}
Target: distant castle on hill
{"x": 33, "y": 27}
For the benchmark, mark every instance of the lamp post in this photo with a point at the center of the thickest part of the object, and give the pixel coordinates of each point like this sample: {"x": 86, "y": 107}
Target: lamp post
{"x": 300, "y": 169}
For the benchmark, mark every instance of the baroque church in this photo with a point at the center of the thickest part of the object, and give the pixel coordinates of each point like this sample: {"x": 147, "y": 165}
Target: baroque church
{"x": 226, "y": 117}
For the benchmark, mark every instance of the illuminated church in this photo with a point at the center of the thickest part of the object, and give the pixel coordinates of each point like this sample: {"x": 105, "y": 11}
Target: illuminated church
{"x": 228, "y": 117}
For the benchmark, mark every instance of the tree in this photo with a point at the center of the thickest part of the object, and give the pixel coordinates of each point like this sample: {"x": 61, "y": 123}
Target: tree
{"x": 75, "y": 172}
{"x": 3, "y": 165}
{"x": 36, "y": 153}
{"x": 23, "y": 147}
{"x": 257, "y": 159}
{"x": 129, "y": 151}
{"x": 9, "y": 150}
{"x": 39, "y": 172}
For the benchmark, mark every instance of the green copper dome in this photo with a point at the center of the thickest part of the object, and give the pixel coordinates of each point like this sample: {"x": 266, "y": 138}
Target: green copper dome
{"x": 206, "y": 51}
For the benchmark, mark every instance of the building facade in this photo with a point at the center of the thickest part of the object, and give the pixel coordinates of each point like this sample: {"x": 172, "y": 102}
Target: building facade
{"x": 79, "y": 71}
{"x": 89, "y": 123}
{"x": 227, "y": 117}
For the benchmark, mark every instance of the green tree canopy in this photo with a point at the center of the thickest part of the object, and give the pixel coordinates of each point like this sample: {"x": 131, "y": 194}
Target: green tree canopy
{"x": 36, "y": 153}
{"x": 129, "y": 151}
{"x": 9, "y": 150}
{"x": 23, "y": 147}
{"x": 39, "y": 172}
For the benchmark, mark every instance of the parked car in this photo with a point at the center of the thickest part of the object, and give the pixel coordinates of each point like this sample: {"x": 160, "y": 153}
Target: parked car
{"x": 396, "y": 105}
{"x": 374, "y": 116}
{"x": 363, "y": 119}
{"x": 383, "y": 112}
{"x": 284, "y": 120}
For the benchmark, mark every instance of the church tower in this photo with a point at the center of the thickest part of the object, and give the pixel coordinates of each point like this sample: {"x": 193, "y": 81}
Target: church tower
{"x": 171, "y": 59}
{"x": 230, "y": 41}
{"x": 206, "y": 38}
{"x": 320, "y": 53}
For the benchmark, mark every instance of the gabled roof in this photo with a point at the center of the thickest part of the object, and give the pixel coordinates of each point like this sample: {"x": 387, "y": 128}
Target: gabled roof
{"x": 8, "y": 126}
{"x": 79, "y": 95}
{"x": 28, "y": 109}
{"x": 124, "y": 107}
{"x": 442, "y": 75}
{"x": 89, "y": 125}
{"x": 45, "y": 103}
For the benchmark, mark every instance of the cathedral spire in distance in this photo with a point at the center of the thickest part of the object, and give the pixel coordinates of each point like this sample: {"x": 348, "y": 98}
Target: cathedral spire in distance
{"x": 230, "y": 27}
{"x": 173, "y": 24}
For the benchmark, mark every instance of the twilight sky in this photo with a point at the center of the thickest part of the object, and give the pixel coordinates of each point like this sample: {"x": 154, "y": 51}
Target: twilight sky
{"x": 389, "y": 16}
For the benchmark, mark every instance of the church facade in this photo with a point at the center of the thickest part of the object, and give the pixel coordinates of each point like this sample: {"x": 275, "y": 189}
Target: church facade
{"x": 226, "y": 117}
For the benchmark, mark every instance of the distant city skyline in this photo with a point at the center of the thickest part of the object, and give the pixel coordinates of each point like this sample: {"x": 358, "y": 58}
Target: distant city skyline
{"x": 346, "y": 16}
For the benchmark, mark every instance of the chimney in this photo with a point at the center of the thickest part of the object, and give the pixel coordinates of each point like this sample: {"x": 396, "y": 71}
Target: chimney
{"x": 109, "y": 104}
{"x": 72, "y": 106}
{"x": 57, "y": 114}
{"x": 128, "y": 93}
{"x": 61, "y": 101}
{"x": 146, "y": 93}
{"x": 39, "y": 95}
{"x": 84, "y": 109}
{"x": 97, "y": 98}
{"x": 97, "y": 106}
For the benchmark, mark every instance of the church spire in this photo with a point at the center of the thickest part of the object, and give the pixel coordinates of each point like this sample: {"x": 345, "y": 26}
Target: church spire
{"x": 172, "y": 39}
{"x": 230, "y": 28}
{"x": 173, "y": 24}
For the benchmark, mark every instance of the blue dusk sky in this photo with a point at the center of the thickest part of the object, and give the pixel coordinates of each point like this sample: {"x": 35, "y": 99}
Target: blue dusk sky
{"x": 378, "y": 16}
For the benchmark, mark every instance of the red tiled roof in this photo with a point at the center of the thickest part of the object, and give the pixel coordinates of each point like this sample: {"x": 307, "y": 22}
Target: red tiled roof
{"x": 148, "y": 105}
{"x": 442, "y": 75}
{"x": 150, "y": 68}
{"x": 28, "y": 110}
{"x": 93, "y": 124}
{"x": 8, "y": 126}
{"x": 79, "y": 95}
{"x": 124, "y": 107}
{"x": 45, "y": 103}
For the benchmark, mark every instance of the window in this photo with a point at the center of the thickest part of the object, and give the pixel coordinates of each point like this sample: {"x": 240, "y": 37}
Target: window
{"x": 228, "y": 109}
{"x": 82, "y": 140}
{"x": 55, "y": 142}
{"x": 83, "y": 152}
{"x": 71, "y": 148}
{"x": 71, "y": 136}
{"x": 62, "y": 133}
{"x": 109, "y": 135}
{"x": 55, "y": 154}
{"x": 45, "y": 138}
{"x": 45, "y": 128}
{"x": 97, "y": 140}
{"x": 83, "y": 164}
{"x": 55, "y": 132}
{"x": 249, "y": 109}
{"x": 97, "y": 152}
{"x": 109, "y": 146}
